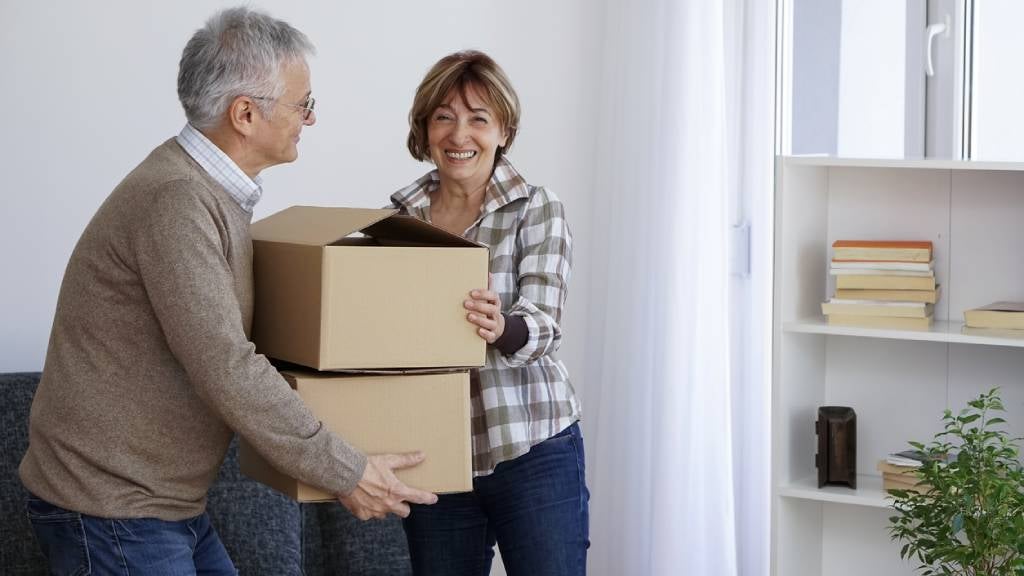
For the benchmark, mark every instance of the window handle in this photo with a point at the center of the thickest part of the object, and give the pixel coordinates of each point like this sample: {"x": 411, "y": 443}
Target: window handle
{"x": 932, "y": 31}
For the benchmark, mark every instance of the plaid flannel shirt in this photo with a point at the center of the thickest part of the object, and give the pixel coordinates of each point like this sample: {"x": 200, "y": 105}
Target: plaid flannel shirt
{"x": 524, "y": 398}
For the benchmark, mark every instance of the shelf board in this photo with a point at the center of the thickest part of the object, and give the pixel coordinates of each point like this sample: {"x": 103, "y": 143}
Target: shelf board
{"x": 920, "y": 163}
{"x": 940, "y": 331}
{"x": 868, "y": 493}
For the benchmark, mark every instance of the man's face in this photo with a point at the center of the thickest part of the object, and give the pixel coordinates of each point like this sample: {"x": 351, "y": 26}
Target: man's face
{"x": 276, "y": 138}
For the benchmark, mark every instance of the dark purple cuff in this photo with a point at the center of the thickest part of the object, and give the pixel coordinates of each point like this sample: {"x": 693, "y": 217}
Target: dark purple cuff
{"x": 515, "y": 335}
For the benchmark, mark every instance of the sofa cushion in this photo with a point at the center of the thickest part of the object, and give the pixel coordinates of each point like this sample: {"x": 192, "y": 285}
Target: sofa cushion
{"x": 19, "y": 555}
{"x": 260, "y": 528}
{"x": 264, "y": 532}
{"x": 335, "y": 542}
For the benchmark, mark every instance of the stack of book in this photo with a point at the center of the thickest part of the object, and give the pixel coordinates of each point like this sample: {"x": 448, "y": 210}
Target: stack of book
{"x": 999, "y": 315}
{"x": 900, "y": 472}
{"x": 882, "y": 284}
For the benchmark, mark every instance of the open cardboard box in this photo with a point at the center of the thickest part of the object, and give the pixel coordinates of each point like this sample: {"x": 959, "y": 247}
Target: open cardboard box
{"x": 330, "y": 299}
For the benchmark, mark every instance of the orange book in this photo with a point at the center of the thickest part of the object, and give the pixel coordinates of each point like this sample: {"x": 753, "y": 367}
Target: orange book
{"x": 882, "y": 250}
{"x": 882, "y": 244}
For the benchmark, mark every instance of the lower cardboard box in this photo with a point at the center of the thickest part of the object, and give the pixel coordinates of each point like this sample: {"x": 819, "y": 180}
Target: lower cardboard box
{"x": 384, "y": 413}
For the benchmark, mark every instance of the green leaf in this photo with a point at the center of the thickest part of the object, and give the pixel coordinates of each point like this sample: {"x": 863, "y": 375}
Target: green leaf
{"x": 971, "y": 520}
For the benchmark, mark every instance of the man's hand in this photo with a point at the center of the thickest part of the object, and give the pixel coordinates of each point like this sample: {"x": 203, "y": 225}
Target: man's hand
{"x": 379, "y": 492}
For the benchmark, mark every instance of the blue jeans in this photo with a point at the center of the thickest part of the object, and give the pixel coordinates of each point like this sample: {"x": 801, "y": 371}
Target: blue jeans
{"x": 535, "y": 507}
{"x": 78, "y": 544}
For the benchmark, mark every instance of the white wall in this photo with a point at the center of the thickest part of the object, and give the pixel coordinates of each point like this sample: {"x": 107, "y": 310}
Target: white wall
{"x": 89, "y": 90}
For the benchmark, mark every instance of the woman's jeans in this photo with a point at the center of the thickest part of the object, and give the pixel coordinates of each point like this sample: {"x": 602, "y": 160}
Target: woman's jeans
{"x": 75, "y": 543}
{"x": 535, "y": 507}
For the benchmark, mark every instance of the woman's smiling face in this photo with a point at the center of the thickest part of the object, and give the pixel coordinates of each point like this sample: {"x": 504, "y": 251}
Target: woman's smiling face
{"x": 464, "y": 133}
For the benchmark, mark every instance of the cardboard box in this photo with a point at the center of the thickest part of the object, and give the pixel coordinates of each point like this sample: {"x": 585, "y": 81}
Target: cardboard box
{"x": 382, "y": 414}
{"x": 331, "y": 300}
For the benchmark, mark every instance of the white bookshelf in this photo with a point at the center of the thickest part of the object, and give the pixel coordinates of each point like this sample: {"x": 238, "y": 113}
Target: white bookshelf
{"x": 897, "y": 381}
{"x": 868, "y": 493}
{"x": 940, "y": 331}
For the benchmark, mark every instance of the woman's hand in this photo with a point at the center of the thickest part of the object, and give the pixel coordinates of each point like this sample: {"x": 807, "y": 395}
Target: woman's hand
{"x": 485, "y": 311}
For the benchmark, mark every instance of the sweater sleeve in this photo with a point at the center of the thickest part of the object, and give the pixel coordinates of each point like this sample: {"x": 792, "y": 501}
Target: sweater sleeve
{"x": 181, "y": 257}
{"x": 544, "y": 265}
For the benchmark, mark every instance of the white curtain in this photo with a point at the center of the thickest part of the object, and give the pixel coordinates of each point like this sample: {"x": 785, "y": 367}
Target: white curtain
{"x": 676, "y": 391}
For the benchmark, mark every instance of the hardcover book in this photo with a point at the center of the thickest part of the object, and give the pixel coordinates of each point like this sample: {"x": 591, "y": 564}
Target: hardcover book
{"x": 876, "y": 308}
{"x": 878, "y": 272}
{"x": 929, "y": 296}
{"x": 1007, "y": 315}
{"x": 891, "y": 250}
{"x": 882, "y": 265}
{"x": 884, "y": 282}
{"x": 890, "y": 322}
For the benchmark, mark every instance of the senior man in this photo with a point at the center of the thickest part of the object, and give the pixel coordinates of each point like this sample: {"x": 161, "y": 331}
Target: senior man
{"x": 149, "y": 370}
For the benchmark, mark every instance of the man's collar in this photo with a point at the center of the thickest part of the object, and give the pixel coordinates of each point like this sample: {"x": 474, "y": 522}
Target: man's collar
{"x": 246, "y": 191}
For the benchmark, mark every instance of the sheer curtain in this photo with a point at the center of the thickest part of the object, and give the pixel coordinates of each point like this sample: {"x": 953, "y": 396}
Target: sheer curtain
{"x": 677, "y": 394}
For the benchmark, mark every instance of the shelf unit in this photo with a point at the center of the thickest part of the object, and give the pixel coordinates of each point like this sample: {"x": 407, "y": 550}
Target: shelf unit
{"x": 898, "y": 381}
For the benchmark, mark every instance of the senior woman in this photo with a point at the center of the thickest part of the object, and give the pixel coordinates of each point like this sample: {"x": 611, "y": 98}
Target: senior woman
{"x": 529, "y": 493}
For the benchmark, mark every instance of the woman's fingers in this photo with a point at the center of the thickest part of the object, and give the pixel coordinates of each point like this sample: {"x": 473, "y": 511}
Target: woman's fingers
{"x": 485, "y": 322}
{"x": 485, "y": 295}
{"x": 485, "y": 311}
{"x": 485, "y": 307}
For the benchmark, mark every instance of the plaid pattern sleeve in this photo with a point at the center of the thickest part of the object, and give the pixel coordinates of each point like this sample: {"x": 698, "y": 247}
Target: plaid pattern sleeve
{"x": 523, "y": 398}
{"x": 544, "y": 245}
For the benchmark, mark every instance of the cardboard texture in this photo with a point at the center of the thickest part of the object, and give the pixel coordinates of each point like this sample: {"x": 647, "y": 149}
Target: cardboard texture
{"x": 384, "y": 414}
{"x": 329, "y": 299}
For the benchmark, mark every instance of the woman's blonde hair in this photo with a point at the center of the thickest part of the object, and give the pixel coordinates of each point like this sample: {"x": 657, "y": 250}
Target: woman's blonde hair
{"x": 461, "y": 71}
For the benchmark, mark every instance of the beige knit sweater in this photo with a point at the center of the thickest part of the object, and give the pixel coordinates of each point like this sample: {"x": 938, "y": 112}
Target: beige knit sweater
{"x": 149, "y": 366}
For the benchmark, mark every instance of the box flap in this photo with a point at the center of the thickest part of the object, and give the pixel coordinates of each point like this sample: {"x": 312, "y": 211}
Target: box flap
{"x": 315, "y": 225}
{"x": 407, "y": 230}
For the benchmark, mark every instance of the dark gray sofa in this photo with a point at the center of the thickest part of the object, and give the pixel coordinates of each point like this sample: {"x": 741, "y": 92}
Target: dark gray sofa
{"x": 264, "y": 532}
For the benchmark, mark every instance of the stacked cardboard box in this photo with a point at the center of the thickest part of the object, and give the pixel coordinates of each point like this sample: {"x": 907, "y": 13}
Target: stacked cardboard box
{"x": 369, "y": 304}
{"x": 882, "y": 284}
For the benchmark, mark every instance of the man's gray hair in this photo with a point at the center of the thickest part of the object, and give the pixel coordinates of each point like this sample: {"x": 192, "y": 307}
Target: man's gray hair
{"x": 239, "y": 52}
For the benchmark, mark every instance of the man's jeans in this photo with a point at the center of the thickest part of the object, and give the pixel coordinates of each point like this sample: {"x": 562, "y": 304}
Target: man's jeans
{"x": 76, "y": 544}
{"x": 536, "y": 507}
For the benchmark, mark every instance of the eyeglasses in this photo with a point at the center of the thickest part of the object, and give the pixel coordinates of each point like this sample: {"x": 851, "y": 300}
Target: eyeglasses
{"x": 306, "y": 108}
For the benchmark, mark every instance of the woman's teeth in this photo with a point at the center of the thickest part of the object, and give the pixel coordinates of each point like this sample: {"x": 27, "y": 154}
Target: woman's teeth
{"x": 461, "y": 155}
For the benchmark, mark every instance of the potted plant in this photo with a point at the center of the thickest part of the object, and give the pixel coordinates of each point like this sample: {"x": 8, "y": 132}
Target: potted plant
{"x": 969, "y": 519}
